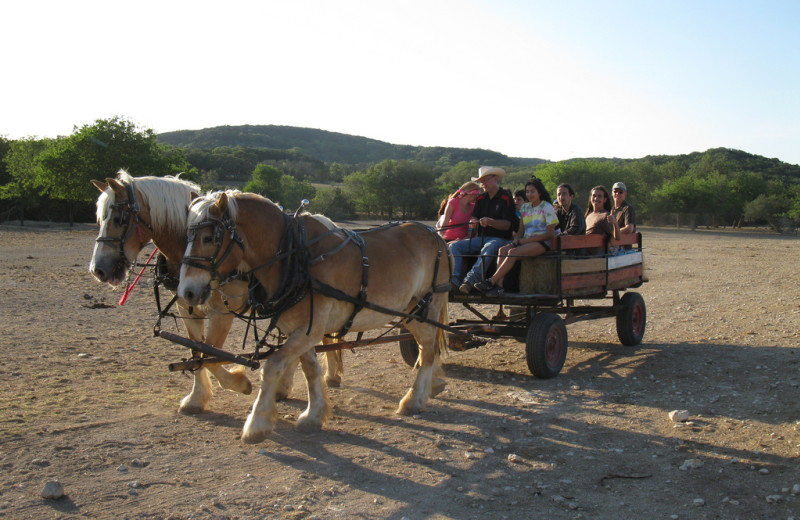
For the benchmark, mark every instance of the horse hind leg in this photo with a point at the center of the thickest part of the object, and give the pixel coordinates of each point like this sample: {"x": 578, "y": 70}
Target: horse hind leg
{"x": 417, "y": 396}
{"x": 334, "y": 363}
{"x": 429, "y": 381}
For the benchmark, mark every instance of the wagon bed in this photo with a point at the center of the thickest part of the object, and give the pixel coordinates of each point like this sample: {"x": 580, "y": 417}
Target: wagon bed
{"x": 561, "y": 287}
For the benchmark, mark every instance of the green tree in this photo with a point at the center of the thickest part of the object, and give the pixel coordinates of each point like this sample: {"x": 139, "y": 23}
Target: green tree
{"x": 769, "y": 208}
{"x": 98, "y": 151}
{"x": 333, "y": 203}
{"x": 24, "y": 170}
{"x": 395, "y": 188}
{"x": 282, "y": 189}
{"x": 265, "y": 181}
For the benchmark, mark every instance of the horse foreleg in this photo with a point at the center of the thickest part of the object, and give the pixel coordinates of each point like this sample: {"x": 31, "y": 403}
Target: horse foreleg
{"x": 314, "y": 416}
{"x": 201, "y": 393}
{"x": 219, "y": 325}
{"x": 261, "y": 421}
{"x": 198, "y": 398}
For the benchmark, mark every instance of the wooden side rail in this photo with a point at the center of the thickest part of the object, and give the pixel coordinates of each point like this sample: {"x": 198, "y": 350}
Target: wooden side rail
{"x": 567, "y": 242}
{"x": 557, "y": 272}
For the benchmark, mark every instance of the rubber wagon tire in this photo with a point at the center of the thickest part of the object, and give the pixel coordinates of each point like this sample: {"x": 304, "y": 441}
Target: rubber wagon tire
{"x": 409, "y": 350}
{"x": 546, "y": 345}
{"x": 631, "y": 319}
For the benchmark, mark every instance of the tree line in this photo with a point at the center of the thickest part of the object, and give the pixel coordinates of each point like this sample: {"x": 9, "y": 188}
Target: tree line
{"x": 49, "y": 179}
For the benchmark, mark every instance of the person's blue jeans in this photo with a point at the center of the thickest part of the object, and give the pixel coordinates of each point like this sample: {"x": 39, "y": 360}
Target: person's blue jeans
{"x": 487, "y": 247}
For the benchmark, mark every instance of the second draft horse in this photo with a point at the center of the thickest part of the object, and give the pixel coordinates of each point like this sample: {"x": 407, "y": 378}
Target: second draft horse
{"x": 319, "y": 281}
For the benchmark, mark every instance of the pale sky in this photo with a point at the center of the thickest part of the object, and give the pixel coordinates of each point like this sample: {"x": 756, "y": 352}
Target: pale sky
{"x": 551, "y": 79}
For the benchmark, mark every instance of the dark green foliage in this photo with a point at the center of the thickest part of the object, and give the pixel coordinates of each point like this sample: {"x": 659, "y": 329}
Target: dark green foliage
{"x": 326, "y": 146}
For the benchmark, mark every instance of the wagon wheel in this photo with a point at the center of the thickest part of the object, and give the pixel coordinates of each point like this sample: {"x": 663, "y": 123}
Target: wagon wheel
{"x": 409, "y": 350}
{"x": 546, "y": 345}
{"x": 631, "y": 319}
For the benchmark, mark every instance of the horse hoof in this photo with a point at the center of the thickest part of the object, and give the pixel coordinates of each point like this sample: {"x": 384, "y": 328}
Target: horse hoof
{"x": 190, "y": 406}
{"x": 191, "y": 410}
{"x": 333, "y": 383}
{"x": 407, "y": 410}
{"x": 254, "y": 438}
{"x": 304, "y": 424}
{"x": 281, "y": 396}
{"x": 255, "y": 430}
{"x": 437, "y": 388}
{"x": 247, "y": 387}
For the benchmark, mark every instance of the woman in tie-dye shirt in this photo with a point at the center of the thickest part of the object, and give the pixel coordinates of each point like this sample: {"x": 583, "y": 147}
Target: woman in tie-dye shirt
{"x": 537, "y": 226}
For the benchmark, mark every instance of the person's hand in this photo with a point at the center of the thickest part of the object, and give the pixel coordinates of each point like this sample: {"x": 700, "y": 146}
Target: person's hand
{"x": 612, "y": 219}
{"x": 485, "y": 221}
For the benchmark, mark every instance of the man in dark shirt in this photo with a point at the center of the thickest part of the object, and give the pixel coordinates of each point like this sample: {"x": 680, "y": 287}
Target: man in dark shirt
{"x": 491, "y": 226}
{"x": 570, "y": 216}
{"x": 623, "y": 209}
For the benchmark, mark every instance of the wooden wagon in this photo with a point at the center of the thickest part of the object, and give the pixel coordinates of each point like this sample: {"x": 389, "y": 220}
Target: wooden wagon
{"x": 564, "y": 286}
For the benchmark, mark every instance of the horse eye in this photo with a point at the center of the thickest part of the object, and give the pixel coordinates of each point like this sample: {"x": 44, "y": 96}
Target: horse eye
{"x": 207, "y": 240}
{"x": 117, "y": 221}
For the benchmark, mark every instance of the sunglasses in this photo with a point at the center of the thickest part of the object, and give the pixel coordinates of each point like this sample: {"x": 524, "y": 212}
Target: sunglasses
{"x": 619, "y": 191}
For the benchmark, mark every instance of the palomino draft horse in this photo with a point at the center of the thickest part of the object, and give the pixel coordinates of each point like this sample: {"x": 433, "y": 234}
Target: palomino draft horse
{"x": 319, "y": 281}
{"x": 131, "y": 211}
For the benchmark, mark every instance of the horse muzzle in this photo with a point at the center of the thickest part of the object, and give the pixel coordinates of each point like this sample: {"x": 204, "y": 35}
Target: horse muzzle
{"x": 194, "y": 293}
{"x": 110, "y": 269}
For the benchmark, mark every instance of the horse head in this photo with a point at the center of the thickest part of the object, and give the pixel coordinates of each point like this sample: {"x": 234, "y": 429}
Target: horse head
{"x": 214, "y": 250}
{"x": 124, "y": 230}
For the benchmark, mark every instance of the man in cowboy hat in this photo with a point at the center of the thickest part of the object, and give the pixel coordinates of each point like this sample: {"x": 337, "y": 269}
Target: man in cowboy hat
{"x": 493, "y": 222}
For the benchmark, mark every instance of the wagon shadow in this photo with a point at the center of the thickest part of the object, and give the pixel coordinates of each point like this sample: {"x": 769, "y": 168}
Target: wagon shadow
{"x": 706, "y": 377}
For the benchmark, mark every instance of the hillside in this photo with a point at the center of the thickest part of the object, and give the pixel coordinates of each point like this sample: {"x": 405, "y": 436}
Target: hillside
{"x": 331, "y": 146}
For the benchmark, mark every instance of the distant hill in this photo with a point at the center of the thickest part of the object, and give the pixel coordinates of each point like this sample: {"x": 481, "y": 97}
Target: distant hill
{"x": 331, "y": 146}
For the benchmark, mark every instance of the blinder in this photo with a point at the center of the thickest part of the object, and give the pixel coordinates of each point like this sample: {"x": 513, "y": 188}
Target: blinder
{"x": 128, "y": 219}
{"x": 212, "y": 263}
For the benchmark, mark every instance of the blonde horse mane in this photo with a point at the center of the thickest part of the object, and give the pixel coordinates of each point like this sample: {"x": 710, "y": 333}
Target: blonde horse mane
{"x": 198, "y": 211}
{"x": 166, "y": 197}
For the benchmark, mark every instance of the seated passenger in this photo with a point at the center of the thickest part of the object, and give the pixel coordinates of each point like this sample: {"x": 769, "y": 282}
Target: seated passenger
{"x": 458, "y": 211}
{"x": 492, "y": 222}
{"x": 537, "y": 226}
{"x": 622, "y": 208}
{"x": 570, "y": 215}
{"x": 599, "y": 219}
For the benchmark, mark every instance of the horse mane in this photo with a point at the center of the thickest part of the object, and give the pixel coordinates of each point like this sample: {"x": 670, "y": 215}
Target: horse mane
{"x": 198, "y": 211}
{"x": 166, "y": 197}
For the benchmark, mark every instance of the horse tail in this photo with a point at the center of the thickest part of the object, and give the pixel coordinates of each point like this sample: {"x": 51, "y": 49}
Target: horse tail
{"x": 441, "y": 335}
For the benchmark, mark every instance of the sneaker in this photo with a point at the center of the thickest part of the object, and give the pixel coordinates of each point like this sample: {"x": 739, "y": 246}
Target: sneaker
{"x": 465, "y": 288}
{"x": 483, "y": 286}
{"x": 496, "y": 290}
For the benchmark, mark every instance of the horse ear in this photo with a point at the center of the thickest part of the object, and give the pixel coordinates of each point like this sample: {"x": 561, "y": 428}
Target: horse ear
{"x": 102, "y": 186}
{"x": 119, "y": 189}
{"x": 193, "y": 196}
{"x": 222, "y": 203}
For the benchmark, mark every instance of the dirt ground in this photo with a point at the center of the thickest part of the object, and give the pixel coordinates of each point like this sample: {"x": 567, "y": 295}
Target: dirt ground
{"x": 87, "y": 400}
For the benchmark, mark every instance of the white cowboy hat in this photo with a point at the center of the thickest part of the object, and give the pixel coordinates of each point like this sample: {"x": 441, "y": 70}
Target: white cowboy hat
{"x": 485, "y": 171}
